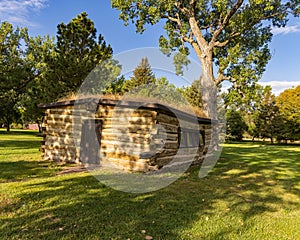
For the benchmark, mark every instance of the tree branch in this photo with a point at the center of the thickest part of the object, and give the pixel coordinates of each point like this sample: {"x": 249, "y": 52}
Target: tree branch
{"x": 225, "y": 22}
{"x": 224, "y": 43}
{"x": 182, "y": 9}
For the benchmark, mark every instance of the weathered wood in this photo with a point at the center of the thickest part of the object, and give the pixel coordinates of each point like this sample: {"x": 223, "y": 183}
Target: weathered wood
{"x": 116, "y": 134}
{"x": 125, "y": 145}
{"x": 113, "y": 149}
{"x": 135, "y": 166}
{"x": 166, "y": 136}
{"x": 132, "y": 138}
{"x": 171, "y": 145}
{"x": 60, "y": 141}
{"x": 126, "y": 138}
{"x": 122, "y": 155}
{"x": 123, "y": 112}
{"x": 62, "y": 118}
{"x": 164, "y": 118}
{"x": 169, "y": 128}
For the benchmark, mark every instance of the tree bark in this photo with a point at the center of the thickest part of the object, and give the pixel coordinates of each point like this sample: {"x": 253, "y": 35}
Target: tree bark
{"x": 7, "y": 127}
{"x": 209, "y": 91}
{"x": 208, "y": 85}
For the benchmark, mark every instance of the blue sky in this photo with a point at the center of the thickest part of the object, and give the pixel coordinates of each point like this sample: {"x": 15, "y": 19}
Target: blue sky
{"x": 42, "y": 16}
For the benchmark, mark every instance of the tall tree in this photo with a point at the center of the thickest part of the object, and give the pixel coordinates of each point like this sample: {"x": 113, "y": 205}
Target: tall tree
{"x": 78, "y": 51}
{"x": 233, "y": 35}
{"x": 288, "y": 103}
{"x": 39, "y": 50}
{"x": 267, "y": 119}
{"x": 236, "y": 125}
{"x": 20, "y": 64}
{"x": 193, "y": 94}
{"x": 142, "y": 75}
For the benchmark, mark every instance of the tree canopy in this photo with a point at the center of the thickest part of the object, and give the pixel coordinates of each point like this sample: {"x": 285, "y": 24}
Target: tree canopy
{"x": 288, "y": 103}
{"x": 77, "y": 52}
{"x": 21, "y": 62}
{"x": 232, "y": 35}
{"x": 267, "y": 120}
{"x": 142, "y": 75}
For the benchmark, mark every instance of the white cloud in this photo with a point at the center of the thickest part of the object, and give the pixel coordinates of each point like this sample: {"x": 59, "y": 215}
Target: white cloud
{"x": 19, "y": 11}
{"x": 280, "y": 86}
{"x": 277, "y": 86}
{"x": 286, "y": 30}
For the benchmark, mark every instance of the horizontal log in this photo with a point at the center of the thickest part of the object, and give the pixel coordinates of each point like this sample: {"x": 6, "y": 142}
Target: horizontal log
{"x": 60, "y": 125}
{"x": 164, "y": 118}
{"x": 139, "y": 129}
{"x": 162, "y": 161}
{"x": 166, "y": 136}
{"x": 54, "y": 144}
{"x": 190, "y": 125}
{"x": 60, "y": 141}
{"x": 59, "y": 159}
{"x": 136, "y": 166}
{"x": 61, "y": 118}
{"x": 125, "y": 138}
{"x": 128, "y": 120}
{"x": 164, "y": 127}
{"x": 171, "y": 145}
{"x": 61, "y": 154}
{"x": 59, "y": 111}
{"x": 126, "y": 146}
{"x": 111, "y": 148}
{"x": 173, "y": 120}
{"x": 125, "y": 112}
{"x": 117, "y": 134}
{"x": 57, "y": 133}
{"x": 121, "y": 155}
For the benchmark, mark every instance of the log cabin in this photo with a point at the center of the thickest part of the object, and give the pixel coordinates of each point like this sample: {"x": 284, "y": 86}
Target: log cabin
{"x": 133, "y": 136}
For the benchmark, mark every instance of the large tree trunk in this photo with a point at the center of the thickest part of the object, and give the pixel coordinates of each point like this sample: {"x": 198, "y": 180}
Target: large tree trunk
{"x": 204, "y": 51}
{"x": 209, "y": 101}
{"x": 39, "y": 125}
{"x": 208, "y": 86}
{"x": 209, "y": 96}
{"x": 7, "y": 126}
{"x": 272, "y": 140}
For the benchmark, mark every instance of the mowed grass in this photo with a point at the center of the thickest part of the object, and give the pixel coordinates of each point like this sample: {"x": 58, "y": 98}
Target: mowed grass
{"x": 252, "y": 193}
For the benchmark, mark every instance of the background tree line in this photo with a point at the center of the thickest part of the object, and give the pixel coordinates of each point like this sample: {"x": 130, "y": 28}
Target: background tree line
{"x": 264, "y": 115}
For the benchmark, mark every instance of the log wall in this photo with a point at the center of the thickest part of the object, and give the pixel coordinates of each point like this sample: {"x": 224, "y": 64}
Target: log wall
{"x": 142, "y": 139}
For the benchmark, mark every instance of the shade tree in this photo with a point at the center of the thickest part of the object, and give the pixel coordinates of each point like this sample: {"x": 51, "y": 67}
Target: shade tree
{"x": 233, "y": 36}
{"x": 20, "y": 64}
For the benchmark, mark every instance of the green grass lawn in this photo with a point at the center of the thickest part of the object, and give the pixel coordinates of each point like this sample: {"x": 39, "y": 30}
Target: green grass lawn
{"x": 252, "y": 193}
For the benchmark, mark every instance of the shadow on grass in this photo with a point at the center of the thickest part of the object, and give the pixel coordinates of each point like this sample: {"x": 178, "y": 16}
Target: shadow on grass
{"x": 82, "y": 208}
{"x": 246, "y": 182}
{"x": 13, "y": 171}
{"x": 17, "y": 132}
{"x": 19, "y": 144}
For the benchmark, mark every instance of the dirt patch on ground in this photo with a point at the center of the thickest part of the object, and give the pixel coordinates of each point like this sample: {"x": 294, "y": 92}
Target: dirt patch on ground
{"x": 73, "y": 169}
